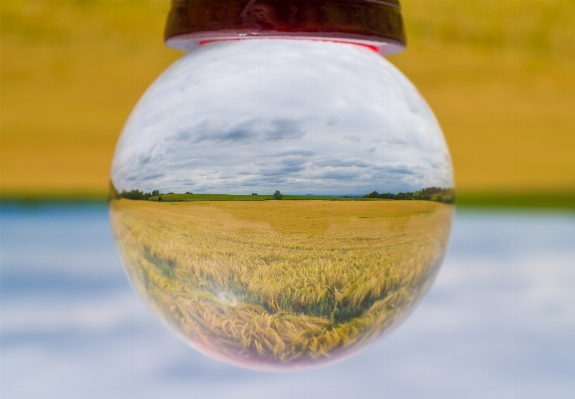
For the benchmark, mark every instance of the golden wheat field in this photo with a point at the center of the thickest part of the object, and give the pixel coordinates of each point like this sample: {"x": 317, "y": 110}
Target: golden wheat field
{"x": 280, "y": 284}
{"x": 498, "y": 75}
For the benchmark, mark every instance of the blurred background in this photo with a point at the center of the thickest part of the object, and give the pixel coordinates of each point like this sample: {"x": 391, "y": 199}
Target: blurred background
{"x": 498, "y": 74}
{"x": 500, "y": 77}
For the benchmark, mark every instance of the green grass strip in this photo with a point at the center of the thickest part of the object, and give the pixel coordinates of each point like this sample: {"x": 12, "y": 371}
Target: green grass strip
{"x": 517, "y": 200}
{"x": 506, "y": 200}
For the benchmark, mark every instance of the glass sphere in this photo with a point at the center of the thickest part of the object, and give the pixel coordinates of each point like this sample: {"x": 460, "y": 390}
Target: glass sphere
{"x": 281, "y": 203}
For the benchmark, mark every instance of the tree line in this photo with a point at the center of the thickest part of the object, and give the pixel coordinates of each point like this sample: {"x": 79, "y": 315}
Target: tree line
{"x": 132, "y": 194}
{"x": 438, "y": 194}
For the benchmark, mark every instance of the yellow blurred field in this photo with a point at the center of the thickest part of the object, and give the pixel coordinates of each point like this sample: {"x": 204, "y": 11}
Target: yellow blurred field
{"x": 281, "y": 282}
{"x": 498, "y": 74}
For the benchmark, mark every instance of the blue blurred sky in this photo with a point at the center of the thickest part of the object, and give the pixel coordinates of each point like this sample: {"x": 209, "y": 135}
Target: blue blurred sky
{"x": 498, "y": 323}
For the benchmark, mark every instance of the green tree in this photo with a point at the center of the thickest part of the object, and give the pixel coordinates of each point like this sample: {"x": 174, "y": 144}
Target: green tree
{"x": 278, "y": 195}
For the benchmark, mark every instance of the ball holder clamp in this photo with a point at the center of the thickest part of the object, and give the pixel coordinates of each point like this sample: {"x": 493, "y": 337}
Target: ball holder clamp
{"x": 374, "y": 23}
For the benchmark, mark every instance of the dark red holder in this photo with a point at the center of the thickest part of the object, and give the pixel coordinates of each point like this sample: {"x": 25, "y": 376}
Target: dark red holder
{"x": 374, "y": 23}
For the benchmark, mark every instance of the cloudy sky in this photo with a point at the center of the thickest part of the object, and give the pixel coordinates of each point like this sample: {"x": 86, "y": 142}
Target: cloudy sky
{"x": 498, "y": 323}
{"x": 301, "y": 117}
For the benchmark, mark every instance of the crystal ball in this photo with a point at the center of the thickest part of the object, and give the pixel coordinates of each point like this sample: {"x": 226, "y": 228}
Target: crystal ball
{"x": 281, "y": 204}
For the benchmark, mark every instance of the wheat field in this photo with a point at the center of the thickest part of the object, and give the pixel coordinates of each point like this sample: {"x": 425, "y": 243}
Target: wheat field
{"x": 498, "y": 75}
{"x": 281, "y": 284}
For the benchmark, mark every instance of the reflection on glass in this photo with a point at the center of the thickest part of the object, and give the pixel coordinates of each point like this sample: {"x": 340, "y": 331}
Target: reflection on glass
{"x": 281, "y": 203}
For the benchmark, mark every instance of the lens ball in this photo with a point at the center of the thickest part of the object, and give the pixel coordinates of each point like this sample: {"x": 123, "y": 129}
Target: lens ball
{"x": 280, "y": 204}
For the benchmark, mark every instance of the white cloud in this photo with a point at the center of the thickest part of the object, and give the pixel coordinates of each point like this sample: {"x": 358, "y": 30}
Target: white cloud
{"x": 498, "y": 323}
{"x": 292, "y": 115}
